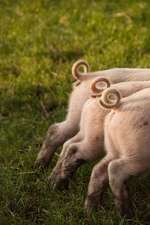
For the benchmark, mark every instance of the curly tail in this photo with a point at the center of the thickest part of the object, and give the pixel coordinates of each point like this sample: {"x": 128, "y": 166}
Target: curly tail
{"x": 110, "y": 98}
{"x": 99, "y": 85}
{"x": 78, "y": 65}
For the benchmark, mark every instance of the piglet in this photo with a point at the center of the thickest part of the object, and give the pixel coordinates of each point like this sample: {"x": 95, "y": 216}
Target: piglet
{"x": 127, "y": 144}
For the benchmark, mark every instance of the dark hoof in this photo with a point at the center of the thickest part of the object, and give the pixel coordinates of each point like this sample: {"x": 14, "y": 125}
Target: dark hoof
{"x": 88, "y": 206}
{"x": 92, "y": 202}
{"x": 125, "y": 210}
{"x": 127, "y": 213}
{"x": 41, "y": 163}
{"x": 58, "y": 183}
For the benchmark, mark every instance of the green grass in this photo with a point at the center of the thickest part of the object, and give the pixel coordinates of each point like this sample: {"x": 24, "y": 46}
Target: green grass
{"x": 39, "y": 41}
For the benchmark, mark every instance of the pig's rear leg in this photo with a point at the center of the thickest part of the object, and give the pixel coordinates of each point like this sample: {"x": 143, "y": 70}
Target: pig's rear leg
{"x": 119, "y": 171}
{"x": 98, "y": 180}
{"x": 72, "y": 158}
{"x": 57, "y": 134}
{"x": 57, "y": 170}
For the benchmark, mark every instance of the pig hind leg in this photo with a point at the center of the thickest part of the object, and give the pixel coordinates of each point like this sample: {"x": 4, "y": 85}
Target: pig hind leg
{"x": 60, "y": 132}
{"x": 119, "y": 171}
{"x": 56, "y": 172}
{"x": 73, "y": 157}
{"x": 98, "y": 180}
{"x": 57, "y": 134}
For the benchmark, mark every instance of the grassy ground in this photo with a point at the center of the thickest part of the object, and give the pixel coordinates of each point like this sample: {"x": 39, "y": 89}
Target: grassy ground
{"x": 39, "y": 41}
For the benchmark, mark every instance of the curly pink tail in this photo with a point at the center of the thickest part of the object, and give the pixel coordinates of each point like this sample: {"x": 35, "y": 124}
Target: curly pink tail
{"x": 76, "y": 69}
{"x": 110, "y": 98}
{"x": 99, "y": 85}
